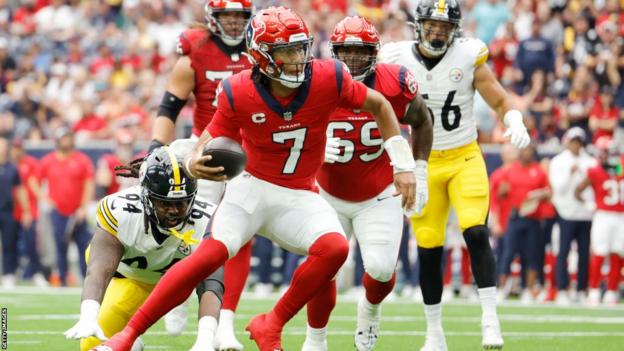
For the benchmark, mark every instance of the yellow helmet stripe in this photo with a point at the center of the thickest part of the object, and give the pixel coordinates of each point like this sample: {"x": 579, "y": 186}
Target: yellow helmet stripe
{"x": 177, "y": 180}
{"x": 441, "y": 6}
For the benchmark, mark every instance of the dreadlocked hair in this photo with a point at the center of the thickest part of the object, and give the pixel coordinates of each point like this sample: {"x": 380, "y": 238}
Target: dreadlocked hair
{"x": 131, "y": 170}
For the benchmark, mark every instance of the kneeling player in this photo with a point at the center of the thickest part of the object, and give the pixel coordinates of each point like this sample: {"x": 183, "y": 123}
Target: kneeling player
{"x": 143, "y": 231}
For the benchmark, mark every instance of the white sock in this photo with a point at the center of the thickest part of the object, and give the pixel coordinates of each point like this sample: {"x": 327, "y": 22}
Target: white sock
{"x": 488, "y": 301}
{"x": 318, "y": 335}
{"x": 368, "y": 307}
{"x": 206, "y": 329}
{"x": 226, "y": 320}
{"x": 433, "y": 316}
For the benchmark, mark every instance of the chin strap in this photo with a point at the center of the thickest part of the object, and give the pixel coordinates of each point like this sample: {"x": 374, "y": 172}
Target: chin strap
{"x": 186, "y": 237}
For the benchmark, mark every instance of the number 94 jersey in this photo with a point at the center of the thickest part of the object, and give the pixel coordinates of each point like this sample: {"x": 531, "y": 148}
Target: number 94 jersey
{"x": 145, "y": 257}
{"x": 447, "y": 88}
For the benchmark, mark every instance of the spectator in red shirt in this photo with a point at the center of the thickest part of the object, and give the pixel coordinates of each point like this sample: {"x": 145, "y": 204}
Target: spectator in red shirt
{"x": 527, "y": 186}
{"x": 603, "y": 117}
{"x": 69, "y": 177}
{"x": 28, "y": 168}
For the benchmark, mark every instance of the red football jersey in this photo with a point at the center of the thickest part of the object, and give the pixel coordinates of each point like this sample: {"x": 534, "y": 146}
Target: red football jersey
{"x": 212, "y": 62}
{"x": 363, "y": 169}
{"x": 285, "y": 141}
{"x": 608, "y": 189}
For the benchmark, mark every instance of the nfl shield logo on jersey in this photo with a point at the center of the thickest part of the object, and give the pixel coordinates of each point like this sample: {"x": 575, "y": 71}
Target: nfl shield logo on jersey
{"x": 456, "y": 75}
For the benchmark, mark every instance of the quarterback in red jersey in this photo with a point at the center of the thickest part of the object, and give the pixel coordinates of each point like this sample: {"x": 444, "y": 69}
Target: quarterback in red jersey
{"x": 280, "y": 111}
{"x": 357, "y": 177}
{"x": 607, "y": 233}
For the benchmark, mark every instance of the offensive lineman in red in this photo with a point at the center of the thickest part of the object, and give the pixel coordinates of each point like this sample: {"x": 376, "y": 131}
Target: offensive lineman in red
{"x": 280, "y": 110}
{"x": 357, "y": 178}
{"x": 206, "y": 58}
{"x": 607, "y": 233}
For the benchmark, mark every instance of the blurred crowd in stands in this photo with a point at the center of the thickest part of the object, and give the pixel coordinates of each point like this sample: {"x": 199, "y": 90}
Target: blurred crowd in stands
{"x": 82, "y": 72}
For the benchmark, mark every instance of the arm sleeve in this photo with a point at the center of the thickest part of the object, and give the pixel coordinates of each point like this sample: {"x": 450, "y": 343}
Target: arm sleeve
{"x": 223, "y": 122}
{"x": 183, "y": 46}
{"x": 482, "y": 54}
{"x": 406, "y": 92}
{"x": 353, "y": 93}
{"x": 105, "y": 218}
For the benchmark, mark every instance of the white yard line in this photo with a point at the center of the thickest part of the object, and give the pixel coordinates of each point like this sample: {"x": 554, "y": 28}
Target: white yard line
{"x": 383, "y": 332}
{"x": 544, "y": 318}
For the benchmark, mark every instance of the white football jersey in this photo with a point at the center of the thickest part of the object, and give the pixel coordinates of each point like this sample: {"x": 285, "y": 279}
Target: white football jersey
{"x": 144, "y": 259}
{"x": 447, "y": 88}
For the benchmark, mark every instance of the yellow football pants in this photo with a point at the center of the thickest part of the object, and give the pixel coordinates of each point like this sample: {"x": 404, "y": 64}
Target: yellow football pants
{"x": 457, "y": 177}
{"x": 122, "y": 298}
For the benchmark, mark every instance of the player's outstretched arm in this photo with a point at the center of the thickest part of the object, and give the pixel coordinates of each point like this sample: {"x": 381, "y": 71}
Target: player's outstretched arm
{"x": 396, "y": 146}
{"x": 194, "y": 163}
{"x": 210, "y": 293}
{"x": 179, "y": 86}
{"x": 105, "y": 252}
{"x": 494, "y": 94}
{"x": 419, "y": 118}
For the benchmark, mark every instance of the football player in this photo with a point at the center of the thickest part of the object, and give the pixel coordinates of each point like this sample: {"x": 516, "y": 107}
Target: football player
{"x": 449, "y": 69}
{"x": 607, "y": 233}
{"x": 279, "y": 110}
{"x": 142, "y": 232}
{"x": 208, "y": 54}
{"x": 357, "y": 177}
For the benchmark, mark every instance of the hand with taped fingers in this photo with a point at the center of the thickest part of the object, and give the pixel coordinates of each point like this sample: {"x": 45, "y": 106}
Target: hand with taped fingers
{"x": 405, "y": 184}
{"x": 332, "y": 150}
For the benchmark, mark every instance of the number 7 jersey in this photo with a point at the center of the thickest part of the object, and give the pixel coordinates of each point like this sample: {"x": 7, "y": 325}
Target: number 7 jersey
{"x": 145, "y": 257}
{"x": 447, "y": 88}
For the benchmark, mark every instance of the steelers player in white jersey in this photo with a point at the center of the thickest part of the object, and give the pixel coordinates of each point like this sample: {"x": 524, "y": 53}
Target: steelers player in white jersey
{"x": 143, "y": 231}
{"x": 448, "y": 69}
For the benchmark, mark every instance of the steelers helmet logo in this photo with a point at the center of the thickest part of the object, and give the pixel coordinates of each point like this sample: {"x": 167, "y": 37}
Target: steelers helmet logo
{"x": 456, "y": 75}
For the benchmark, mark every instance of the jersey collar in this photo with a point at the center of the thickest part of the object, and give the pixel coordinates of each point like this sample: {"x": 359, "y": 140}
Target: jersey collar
{"x": 229, "y": 50}
{"x": 289, "y": 111}
{"x": 369, "y": 80}
{"x": 428, "y": 63}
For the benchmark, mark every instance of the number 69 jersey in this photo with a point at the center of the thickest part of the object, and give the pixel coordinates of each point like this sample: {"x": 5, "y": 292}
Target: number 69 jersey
{"x": 363, "y": 169}
{"x": 146, "y": 255}
{"x": 447, "y": 88}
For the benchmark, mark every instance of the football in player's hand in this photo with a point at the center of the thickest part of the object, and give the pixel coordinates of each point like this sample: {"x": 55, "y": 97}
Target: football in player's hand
{"x": 226, "y": 153}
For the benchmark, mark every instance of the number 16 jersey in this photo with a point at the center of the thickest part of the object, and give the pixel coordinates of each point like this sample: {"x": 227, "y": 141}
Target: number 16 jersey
{"x": 447, "y": 88}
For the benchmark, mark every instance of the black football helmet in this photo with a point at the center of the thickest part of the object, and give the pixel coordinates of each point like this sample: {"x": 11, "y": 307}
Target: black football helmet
{"x": 447, "y": 11}
{"x": 167, "y": 191}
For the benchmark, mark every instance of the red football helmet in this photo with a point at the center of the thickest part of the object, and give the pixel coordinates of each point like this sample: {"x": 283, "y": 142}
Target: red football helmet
{"x": 276, "y": 33}
{"x": 231, "y": 30}
{"x": 355, "y": 41}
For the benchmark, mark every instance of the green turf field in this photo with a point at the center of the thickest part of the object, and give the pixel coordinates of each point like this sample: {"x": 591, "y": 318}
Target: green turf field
{"x": 37, "y": 319}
